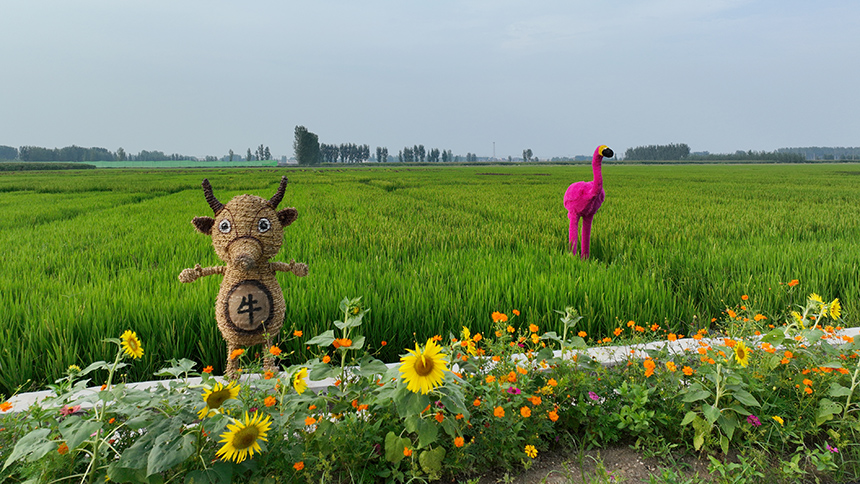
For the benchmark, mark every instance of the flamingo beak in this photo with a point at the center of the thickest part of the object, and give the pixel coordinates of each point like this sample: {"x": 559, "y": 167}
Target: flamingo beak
{"x": 607, "y": 152}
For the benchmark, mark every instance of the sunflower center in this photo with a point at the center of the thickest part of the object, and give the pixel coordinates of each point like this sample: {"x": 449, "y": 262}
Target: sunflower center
{"x": 245, "y": 438}
{"x": 424, "y": 366}
{"x": 132, "y": 344}
{"x": 217, "y": 398}
{"x": 742, "y": 354}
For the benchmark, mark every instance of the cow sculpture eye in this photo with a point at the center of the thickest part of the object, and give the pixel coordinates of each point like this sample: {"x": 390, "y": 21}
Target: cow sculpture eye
{"x": 264, "y": 225}
{"x": 225, "y": 226}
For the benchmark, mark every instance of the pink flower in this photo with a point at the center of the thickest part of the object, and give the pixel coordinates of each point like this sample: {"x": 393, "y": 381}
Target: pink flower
{"x": 753, "y": 420}
{"x": 593, "y": 396}
{"x": 66, "y": 411}
{"x": 513, "y": 390}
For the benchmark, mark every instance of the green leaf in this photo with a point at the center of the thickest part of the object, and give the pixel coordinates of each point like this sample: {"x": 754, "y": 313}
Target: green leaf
{"x": 324, "y": 339}
{"x": 688, "y": 419}
{"x": 410, "y": 403}
{"x": 696, "y": 393}
{"x": 826, "y": 410}
{"x": 724, "y": 444}
{"x": 427, "y": 432}
{"x": 837, "y": 390}
{"x": 169, "y": 449}
{"x": 431, "y": 462}
{"x": 34, "y": 446}
{"x": 76, "y": 430}
{"x": 774, "y": 337}
{"x": 97, "y": 365}
{"x": 357, "y": 344}
{"x": 220, "y": 473}
{"x": 370, "y": 366}
{"x": 746, "y": 398}
{"x": 394, "y": 446}
{"x": 177, "y": 368}
{"x": 813, "y": 336}
{"x": 711, "y": 413}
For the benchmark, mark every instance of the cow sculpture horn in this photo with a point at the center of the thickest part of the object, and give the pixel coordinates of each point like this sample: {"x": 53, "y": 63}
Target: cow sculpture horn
{"x": 210, "y": 197}
{"x": 276, "y": 199}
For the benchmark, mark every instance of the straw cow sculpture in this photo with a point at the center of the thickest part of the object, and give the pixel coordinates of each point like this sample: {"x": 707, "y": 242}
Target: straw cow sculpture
{"x": 246, "y": 233}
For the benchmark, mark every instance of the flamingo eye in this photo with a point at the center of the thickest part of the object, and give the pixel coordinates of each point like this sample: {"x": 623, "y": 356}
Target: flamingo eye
{"x": 224, "y": 226}
{"x": 264, "y": 225}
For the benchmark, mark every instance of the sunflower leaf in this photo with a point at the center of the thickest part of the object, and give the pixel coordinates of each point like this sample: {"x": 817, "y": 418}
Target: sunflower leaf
{"x": 169, "y": 449}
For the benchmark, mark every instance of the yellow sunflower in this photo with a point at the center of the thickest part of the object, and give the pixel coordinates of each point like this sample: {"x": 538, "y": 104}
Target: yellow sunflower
{"x": 299, "y": 381}
{"x": 216, "y": 397}
{"x": 835, "y": 309}
{"x": 468, "y": 343}
{"x": 742, "y": 354}
{"x": 131, "y": 345}
{"x": 423, "y": 370}
{"x": 242, "y": 438}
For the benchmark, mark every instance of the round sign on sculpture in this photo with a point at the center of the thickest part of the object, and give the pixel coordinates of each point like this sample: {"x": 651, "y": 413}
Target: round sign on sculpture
{"x": 249, "y": 306}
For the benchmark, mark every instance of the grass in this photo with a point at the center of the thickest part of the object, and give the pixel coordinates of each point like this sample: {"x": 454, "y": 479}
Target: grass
{"x": 431, "y": 249}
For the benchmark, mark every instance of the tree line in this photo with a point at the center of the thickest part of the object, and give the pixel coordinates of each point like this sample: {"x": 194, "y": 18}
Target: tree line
{"x": 681, "y": 151}
{"x": 309, "y": 151}
{"x": 658, "y": 152}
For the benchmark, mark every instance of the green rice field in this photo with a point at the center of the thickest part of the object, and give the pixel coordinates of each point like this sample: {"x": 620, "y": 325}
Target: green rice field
{"x": 89, "y": 254}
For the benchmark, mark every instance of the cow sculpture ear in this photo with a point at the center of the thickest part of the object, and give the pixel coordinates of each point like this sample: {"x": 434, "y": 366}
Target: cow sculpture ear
{"x": 288, "y": 216}
{"x": 203, "y": 224}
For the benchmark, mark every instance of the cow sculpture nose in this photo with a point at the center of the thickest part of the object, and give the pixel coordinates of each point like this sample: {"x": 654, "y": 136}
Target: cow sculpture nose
{"x": 246, "y": 252}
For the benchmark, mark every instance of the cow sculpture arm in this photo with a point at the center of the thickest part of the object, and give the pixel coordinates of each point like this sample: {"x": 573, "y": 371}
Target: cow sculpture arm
{"x": 300, "y": 269}
{"x": 191, "y": 275}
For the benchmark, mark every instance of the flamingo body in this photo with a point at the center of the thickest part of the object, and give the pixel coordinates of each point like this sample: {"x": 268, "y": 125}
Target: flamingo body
{"x": 582, "y": 200}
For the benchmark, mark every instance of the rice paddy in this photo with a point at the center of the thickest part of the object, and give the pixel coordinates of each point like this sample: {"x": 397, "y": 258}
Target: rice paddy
{"x": 89, "y": 254}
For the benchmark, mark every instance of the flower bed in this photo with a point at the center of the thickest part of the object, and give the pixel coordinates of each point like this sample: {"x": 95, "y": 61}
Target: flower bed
{"x": 463, "y": 402}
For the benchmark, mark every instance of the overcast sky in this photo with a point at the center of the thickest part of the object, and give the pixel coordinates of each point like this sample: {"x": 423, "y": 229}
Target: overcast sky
{"x": 201, "y": 77}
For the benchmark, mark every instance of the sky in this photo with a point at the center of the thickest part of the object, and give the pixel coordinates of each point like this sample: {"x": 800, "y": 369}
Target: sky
{"x": 490, "y": 77}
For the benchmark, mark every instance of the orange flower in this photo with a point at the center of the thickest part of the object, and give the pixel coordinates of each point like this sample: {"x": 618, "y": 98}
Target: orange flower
{"x": 553, "y": 415}
{"x": 672, "y": 337}
{"x": 639, "y": 329}
{"x": 512, "y": 377}
{"x": 729, "y": 342}
{"x": 649, "y": 367}
{"x": 521, "y": 370}
{"x": 477, "y": 402}
{"x": 362, "y": 407}
{"x": 459, "y": 416}
{"x": 687, "y": 370}
{"x": 63, "y": 449}
{"x": 759, "y": 317}
{"x": 745, "y": 297}
{"x": 670, "y": 365}
{"x": 407, "y": 451}
{"x": 526, "y": 412}
{"x": 310, "y": 421}
{"x": 312, "y": 407}
{"x": 499, "y": 317}
{"x": 5, "y": 406}
{"x": 499, "y": 412}
{"x": 490, "y": 379}
{"x": 697, "y": 336}
{"x": 275, "y": 351}
{"x": 617, "y": 332}
{"x": 112, "y": 420}
{"x": 236, "y": 353}
{"x": 535, "y": 400}
{"x": 516, "y": 312}
{"x": 582, "y": 334}
{"x": 788, "y": 354}
{"x": 299, "y": 465}
{"x": 807, "y": 382}
{"x": 731, "y": 313}
{"x": 458, "y": 442}
{"x": 342, "y": 342}
{"x": 552, "y": 382}
{"x": 297, "y": 333}
{"x": 498, "y": 334}
{"x": 268, "y": 375}
{"x": 510, "y": 329}
{"x": 326, "y": 359}
{"x": 655, "y": 327}
{"x": 269, "y": 401}
{"x": 497, "y": 358}
{"x": 533, "y": 328}
{"x": 807, "y": 390}
{"x": 439, "y": 417}
{"x": 630, "y": 324}
{"x": 793, "y": 283}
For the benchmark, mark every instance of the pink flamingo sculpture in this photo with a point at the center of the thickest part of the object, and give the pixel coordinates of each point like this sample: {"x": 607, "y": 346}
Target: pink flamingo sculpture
{"x": 582, "y": 199}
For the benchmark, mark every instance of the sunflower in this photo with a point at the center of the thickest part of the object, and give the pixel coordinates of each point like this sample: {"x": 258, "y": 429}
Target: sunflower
{"x": 468, "y": 343}
{"x": 131, "y": 345}
{"x": 241, "y": 439}
{"x": 216, "y": 397}
{"x": 742, "y": 354}
{"x": 299, "y": 382}
{"x": 835, "y": 309}
{"x": 423, "y": 370}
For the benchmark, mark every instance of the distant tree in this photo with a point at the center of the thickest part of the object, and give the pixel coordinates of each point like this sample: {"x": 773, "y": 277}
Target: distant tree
{"x": 527, "y": 154}
{"x": 231, "y": 155}
{"x": 408, "y": 155}
{"x": 120, "y": 154}
{"x": 659, "y": 152}
{"x": 267, "y": 153}
{"x": 433, "y": 155}
{"x": 249, "y": 156}
{"x": 306, "y": 146}
{"x": 445, "y": 158}
{"x": 8, "y": 152}
{"x": 419, "y": 153}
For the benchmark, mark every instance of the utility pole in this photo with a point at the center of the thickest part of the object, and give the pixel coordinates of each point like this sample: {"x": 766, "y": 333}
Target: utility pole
{"x": 494, "y": 151}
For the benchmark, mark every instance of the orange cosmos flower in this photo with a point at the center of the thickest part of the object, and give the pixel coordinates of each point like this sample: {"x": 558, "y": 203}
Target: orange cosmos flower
{"x": 299, "y": 465}
{"x": 553, "y": 415}
{"x": 458, "y": 442}
{"x": 521, "y": 371}
{"x": 326, "y": 359}
{"x": 807, "y": 390}
{"x": 490, "y": 379}
{"x": 208, "y": 369}
{"x": 526, "y": 412}
{"x": 499, "y": 317}
{"x": 310, "y": 421}
{"x": 477, "y": 402}
{"x": 731, "y": 313}
{"x": 533, "y": 328}
{"x": 269, "y": 401}
{"x": 407, "y": 451}
{"x": 655, "y": 327}
{"x": 687, "y": 370}
{"x": 617, "y": 332}
{"x": 582, "y": 334}
{"x": 807, "y": 382}
{"x": 649, "y": 367}
{"x": 552, "y": 382}
{"x": 516, "y": 312}
{"x": 535, "y": 400}
{"x": 670, "y": 365}
{"x": 268, "y": 375}
{"x": 745, "y": 297}
{"x": 236, "y": 353}
{"x": 439, "y": 417}
{"x": 672, "y": 337}
{"x": 512, "y": 377}
{"x": 793, "y": 283}
{"x": 631, "y": 323}
{"x": 499, "y": 412}
{"x": 63, "y": 449}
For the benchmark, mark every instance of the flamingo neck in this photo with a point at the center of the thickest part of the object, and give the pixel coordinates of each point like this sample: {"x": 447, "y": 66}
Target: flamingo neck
{"x": 596, "y": 167}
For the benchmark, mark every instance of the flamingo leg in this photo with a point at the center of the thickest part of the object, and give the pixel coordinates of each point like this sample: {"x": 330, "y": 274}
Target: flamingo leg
{"x": 573, "y": 233}
{"x": 586, "y": 235}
